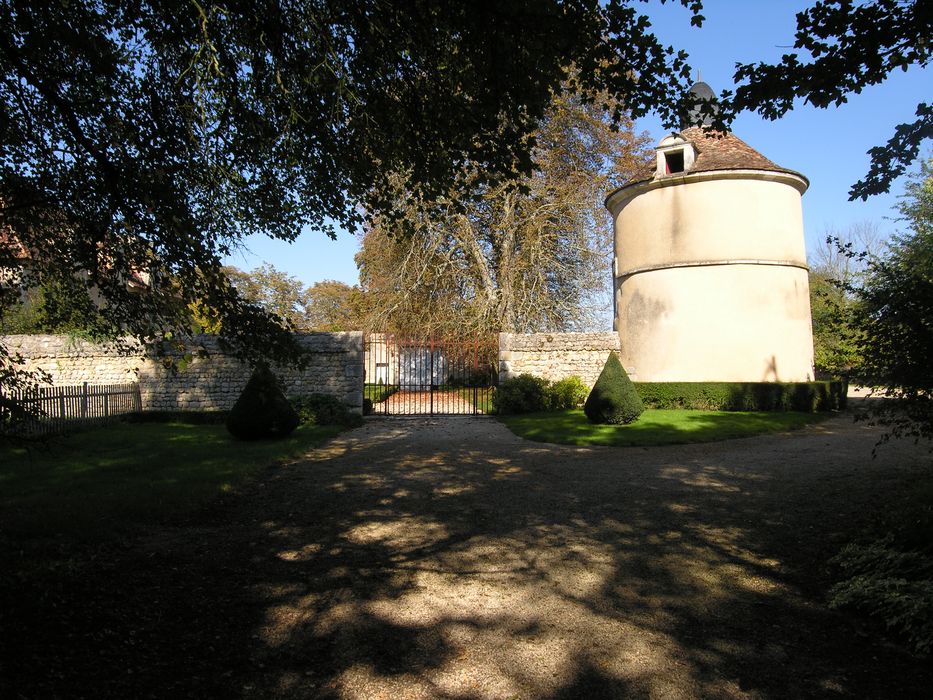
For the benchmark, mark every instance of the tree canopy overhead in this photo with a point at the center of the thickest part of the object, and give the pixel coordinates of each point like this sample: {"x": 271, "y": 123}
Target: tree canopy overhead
{"x": 841, "y": 47}
{"x": 141, "y": 136}
{"x": 526, "y": 255}
{"x": 158, "y": 135}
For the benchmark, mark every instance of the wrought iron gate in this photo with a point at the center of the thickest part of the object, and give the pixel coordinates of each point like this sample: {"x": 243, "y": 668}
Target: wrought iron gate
{"x": 426, "y": 375}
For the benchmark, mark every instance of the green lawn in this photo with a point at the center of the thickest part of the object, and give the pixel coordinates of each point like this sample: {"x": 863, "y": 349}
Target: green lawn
{"x": 482, "y": 398}
{"x": 655, "y": 427}
{"x": 378, "y": 392}
{"x": 122, "y": 475}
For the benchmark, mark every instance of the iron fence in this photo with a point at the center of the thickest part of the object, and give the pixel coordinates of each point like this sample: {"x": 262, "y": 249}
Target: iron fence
{"x": 429, "y": 375}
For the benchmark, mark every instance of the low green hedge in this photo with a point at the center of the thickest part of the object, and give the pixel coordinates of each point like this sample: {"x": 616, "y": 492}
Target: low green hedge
{"x": 527, "y": 393}
{"x": 745, "y": 396}
{"x": 323, "y": 409}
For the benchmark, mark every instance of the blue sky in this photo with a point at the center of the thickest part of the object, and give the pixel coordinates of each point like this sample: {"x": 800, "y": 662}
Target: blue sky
{"x": 828, "y": 146}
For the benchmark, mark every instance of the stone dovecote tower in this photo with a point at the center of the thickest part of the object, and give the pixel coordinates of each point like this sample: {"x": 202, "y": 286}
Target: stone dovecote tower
{"x": 710, "y": 265}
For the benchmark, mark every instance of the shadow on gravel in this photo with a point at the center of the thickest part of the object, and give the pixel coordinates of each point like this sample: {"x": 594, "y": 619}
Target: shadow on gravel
{"x": 420, "y": 560}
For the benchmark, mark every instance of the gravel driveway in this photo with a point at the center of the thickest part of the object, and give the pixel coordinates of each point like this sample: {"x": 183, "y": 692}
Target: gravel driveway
{"x": 447, "y": 558}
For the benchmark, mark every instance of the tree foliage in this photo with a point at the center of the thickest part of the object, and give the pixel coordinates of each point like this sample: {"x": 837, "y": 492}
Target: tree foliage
{"x": 156, "y": 137}
{"x": 842, "y": 47}
{"x": 528, "y": 254}
{"x": 895, "y": 315}
{"x": 835, "y": 339}
{"x": 61, "y": 306}
{"x": 324, "y": 306}
{"x": 335, "y": 306}
{"x": 837, "y": 266}
{"x": 276, "y": 292}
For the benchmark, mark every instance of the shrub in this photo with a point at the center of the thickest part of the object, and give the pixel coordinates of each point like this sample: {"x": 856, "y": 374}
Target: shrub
{"x": 613, "y": 399}
{"x": 569, "y": 392}
{"x": 262, "y": 411}
{"x": 745, "y": 396}
{"x": 892, "y": 585}
{"x": 522, "y": 394}
{"x": 472, "y": 377}
{"x": 323, "y": 409}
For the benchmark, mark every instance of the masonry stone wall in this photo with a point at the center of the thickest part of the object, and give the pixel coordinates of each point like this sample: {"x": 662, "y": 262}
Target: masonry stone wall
{"x": 211, "y": 381}
{"x": 555, "y": 355}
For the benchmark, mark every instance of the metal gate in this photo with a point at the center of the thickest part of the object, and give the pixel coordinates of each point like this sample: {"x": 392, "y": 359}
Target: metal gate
{"x": 426, "y": 375}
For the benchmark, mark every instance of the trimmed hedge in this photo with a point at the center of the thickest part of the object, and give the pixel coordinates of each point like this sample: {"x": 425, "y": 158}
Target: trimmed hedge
{"x": 745, "y": 396}
{"x": 613, "y": 399}
{"x": 262, "y": 411}
{"x": 525, "y": 393}
{"x": 323, "y": 409}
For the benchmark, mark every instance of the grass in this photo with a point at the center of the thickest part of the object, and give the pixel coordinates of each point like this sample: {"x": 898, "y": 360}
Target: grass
{"x": 378, "y": 392}
{"x": 655, "y": 427}
{"x": 482, "y": 399}
{"x": 123, "y": 475}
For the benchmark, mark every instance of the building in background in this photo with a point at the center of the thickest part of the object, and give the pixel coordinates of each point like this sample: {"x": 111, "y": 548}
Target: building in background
{"x": 710, "y": 269}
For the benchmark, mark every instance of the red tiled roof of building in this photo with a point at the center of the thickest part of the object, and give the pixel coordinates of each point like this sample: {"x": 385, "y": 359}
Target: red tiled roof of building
{"x": 717, "y": 150}
{"x": 9, "y": 241}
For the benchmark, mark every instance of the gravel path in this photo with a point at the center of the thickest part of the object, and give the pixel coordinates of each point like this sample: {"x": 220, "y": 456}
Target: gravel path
{"x": 406, "y": 403}
{"x": 447, "y": 558}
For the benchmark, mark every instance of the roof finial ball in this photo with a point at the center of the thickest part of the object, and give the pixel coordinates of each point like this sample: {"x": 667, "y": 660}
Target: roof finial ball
{"x": 710, "y": 264}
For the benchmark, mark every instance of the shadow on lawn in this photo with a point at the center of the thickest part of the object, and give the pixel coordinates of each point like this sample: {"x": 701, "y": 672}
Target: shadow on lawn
{"x": 487, "y": 568}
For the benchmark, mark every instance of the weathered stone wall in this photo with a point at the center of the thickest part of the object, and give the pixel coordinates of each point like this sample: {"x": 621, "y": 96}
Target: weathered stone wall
{"x": 211, "y": 381}
{"x": 555, "y": 355}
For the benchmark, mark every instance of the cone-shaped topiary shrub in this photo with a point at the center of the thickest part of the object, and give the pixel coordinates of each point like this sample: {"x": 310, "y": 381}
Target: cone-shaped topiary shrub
{"x": 613, "y": 398}
{"x": 262, "y": 411}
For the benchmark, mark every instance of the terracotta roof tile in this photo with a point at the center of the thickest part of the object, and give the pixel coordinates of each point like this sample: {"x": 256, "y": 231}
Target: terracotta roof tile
{"x": 16, "y": 249}
{"x": 717, "y": 150}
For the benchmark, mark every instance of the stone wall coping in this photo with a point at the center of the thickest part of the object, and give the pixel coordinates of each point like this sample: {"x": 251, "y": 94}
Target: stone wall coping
{"x": 63, "y": 345}
{"x": 564, "y": 342}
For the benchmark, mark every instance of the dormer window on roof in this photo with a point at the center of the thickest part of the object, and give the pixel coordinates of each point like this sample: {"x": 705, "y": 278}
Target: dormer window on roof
{"x": 675, "y": 155}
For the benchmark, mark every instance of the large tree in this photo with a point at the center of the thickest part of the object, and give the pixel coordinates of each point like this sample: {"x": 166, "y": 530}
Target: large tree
{"x": 523, "y": 255}
{"x": 155, "y": 136}
{"x": 275, "y": 291}
{"x": 895, "y": 315}
{"x": 142, "y": 136}
{"x": 838, "y": 265}
{"x": 335, "y": 306}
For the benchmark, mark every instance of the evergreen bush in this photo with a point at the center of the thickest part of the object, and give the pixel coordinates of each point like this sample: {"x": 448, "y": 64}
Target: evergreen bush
{"x": 569, "y": 392}
{"x": 323, "y": 409}
{"x": 525, "y": 393}
{"x": 262, "y": 411}
{"x": 888, "y": 583}
{"x": 613, "y": 399}
{"x": 745, "y": 396}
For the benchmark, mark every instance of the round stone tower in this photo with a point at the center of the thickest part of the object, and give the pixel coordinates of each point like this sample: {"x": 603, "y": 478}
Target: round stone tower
{"x": 710, "y": 265}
